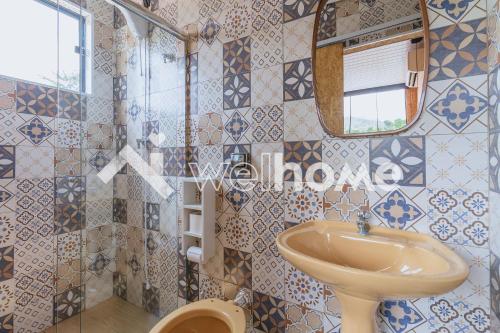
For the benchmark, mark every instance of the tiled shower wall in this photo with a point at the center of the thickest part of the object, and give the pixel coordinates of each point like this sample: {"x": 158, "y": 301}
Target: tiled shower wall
{"x": 494, "y": 137}
{"x": 254, "y": 94}
{"x": 55, "y": 214}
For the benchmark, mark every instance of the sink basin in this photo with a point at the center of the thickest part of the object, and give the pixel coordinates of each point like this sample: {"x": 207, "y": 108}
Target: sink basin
{"x": 364, "y": 270}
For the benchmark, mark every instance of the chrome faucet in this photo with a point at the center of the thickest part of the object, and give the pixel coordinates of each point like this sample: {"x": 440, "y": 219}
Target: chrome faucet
{"x": 363, "y": 225}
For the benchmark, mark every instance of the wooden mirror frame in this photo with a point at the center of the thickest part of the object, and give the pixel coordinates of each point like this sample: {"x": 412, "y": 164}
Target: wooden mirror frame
{"x": 326, "y": 123}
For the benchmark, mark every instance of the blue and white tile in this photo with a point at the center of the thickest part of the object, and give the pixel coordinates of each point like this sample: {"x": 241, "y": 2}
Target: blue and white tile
{"x": 303, "y": 290}
{"x": 460, "y": 106}
{"x": 458, "y": 161}
{"x": 237, "y": 126}
{"x": 406, "y": 152}
{"x": 466, "y": 309}
{"x": 445, "y": 13}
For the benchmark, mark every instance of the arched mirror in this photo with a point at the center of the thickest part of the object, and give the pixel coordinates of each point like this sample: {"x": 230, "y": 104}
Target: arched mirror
{"x": 370, "y": 60}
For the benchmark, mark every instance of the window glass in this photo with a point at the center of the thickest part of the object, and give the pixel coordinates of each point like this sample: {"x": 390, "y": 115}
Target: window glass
{"x": 30, "y": 51}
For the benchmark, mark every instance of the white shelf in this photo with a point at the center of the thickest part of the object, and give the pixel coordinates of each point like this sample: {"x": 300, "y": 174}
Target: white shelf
{"x": 203, "y": 198}
{"x": 194, "y": 207}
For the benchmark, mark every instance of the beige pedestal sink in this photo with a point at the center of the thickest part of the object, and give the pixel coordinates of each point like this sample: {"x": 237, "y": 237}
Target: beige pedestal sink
{"x": 364, "y": 270}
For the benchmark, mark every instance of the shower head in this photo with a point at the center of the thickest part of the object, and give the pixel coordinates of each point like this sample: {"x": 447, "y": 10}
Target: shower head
{"x": 137, "y": 25}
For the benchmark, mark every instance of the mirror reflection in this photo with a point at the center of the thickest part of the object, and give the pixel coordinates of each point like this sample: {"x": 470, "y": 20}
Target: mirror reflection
{"x": 369, "y": 65}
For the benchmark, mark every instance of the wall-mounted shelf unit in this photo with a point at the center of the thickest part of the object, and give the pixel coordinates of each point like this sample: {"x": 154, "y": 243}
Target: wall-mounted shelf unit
{"x": 199, "y": 202}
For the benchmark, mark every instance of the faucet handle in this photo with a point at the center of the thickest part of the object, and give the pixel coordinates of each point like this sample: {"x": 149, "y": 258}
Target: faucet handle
{"x": 363, "y": 215}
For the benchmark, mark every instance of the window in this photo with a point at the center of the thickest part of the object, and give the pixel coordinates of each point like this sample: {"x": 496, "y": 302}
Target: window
{"x": 31, "y": 43}
{"x": 362, "y": 110}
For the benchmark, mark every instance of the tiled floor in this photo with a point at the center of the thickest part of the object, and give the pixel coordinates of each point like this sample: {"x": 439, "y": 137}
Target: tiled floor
{"x": 111, "y": 316}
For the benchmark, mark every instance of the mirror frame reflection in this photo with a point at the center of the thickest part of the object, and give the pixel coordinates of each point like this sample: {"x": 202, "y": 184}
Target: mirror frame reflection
{"x": 325, "y": 120}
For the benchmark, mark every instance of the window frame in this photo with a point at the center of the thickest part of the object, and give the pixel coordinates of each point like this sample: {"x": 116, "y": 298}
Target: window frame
{"x": 82, "y": 36}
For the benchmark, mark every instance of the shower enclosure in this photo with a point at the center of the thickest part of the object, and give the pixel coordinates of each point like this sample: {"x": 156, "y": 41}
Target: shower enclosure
{"x": 80, "y": 81}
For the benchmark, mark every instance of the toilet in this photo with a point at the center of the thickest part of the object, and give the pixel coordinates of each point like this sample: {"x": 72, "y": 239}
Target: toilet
{"x": 207, "y": 316}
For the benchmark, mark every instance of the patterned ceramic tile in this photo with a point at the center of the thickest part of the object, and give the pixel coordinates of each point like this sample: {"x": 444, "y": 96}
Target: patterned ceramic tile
{"x": 35, "y": 202}
{"x": 237, "y": 126}
{"x": 37, "y": 131}
{"x": 6, "y": 263}
{"x": 294, "y": 9}
{"x": 452, "y": 57}
{"x": 36, "y": 100}
{"x": 268, "y": 215}
{"x": 446, "y": 13}
{"x": 302, "y": 205}
{"x": 151, "y": 299}
{"x": 69, "y": 134}
{"x": 68, "y": 304}
{"x": 7, "y": 227}
{"x": 210, "y": 288}
{"x": 397, "y": 210}
{"x": 210, "y": 30}
{"x": 459, "y": 104}
{"x": 237, "y": 92}
{"x": 301, "y": 122}
{"x": 406, "y": 152}
{"x": 68, "y": 275}
{"x": 268, "y": 312}
{"x": 338, "y": 153}
{"x": 328, "y": 22}
{"x": 237, "y": 56}
{"x": 268, "y": 124}
{"x": 465, "y": 307}
{"x": 210, "y": 96}
{"x": 458, "y": 216}
{"x": 401, "y": 316}
{"x": 7, "y": 95}
{"x": 7, "y": 323}
{"x": 237, "y": 200}
{"x": 305, "y": 154}
{"x": 236, "y": 232}
{"x": 7, "y": 295}
{"x": 236, "y": 20}
{"x": 344, "y": 205}
{"x": 210, "y": 129}
{"x": 297, "y": 38}
{"x": 297, "y": 80}
{"x": 99, "y": 136}
{"x": 69, "y": 247}
{"x": 71, "y": 105}
{"x": 467, "y": 154}
{"x": 210, "y": 59}
{"x": 152, "y": 216}
{"x": 267, "y": 86}
{"x": 24, "y": 161}
{"x": 238, "y": 267}
{"x": 9, "y": 122}
{"x": 300, "y": 319}
{"x": 267, "y": 34}
{"x": 120, "y": 211}
{"x": 303, "y": 290}
{"x": 268, "y": 274}
{"x": 67, "y": 161}
{"x": 7, "y": 162}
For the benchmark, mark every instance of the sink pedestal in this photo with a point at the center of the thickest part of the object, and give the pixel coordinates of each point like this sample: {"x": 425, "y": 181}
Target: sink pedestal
{"x": 358, "y": 314}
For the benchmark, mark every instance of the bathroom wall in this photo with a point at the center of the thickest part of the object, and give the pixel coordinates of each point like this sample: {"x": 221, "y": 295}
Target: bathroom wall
{"x": 493, "y": 26}
{"x": 254, "y": 91}
{"x": 55, "y": 214}
{"x": 149, "y": 99}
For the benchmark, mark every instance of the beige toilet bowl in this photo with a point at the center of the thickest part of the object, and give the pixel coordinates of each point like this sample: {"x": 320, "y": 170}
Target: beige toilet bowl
{"x": 207, "y": 316}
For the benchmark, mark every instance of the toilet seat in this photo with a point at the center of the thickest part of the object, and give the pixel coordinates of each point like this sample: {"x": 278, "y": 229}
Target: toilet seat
{"x": 207, "y": 316}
